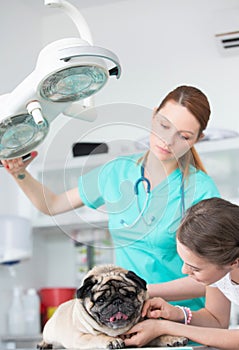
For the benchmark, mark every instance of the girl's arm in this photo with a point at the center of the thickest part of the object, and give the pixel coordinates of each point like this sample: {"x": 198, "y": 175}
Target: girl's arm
{"x": 182, "y": 288}
{"x": 41, "y": 197}
{"x": 205, "y": 327}
{"x": 215, "y": 314}
{"x": 150, "y": 329}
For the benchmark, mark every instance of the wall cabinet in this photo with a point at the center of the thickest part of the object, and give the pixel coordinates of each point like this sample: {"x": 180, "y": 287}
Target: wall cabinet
{"x": 221, "y": 162}
{"x": 60, "y": 178}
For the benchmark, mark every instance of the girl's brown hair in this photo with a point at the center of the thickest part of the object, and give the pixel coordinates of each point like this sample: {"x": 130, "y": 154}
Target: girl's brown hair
{"x": 197, "y": 103}
{"x": 210, "y": 229}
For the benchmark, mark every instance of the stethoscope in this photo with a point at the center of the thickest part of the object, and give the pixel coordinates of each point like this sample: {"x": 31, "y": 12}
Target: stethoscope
{"x": 143, "y": 179}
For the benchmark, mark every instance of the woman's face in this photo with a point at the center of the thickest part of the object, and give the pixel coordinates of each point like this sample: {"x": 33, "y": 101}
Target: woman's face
{"x": 174, "y": 131}
{"x": 199, "y": 268}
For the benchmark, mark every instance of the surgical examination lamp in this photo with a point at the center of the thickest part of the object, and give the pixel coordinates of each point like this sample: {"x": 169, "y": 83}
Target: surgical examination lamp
{"x": 67, "y": 71}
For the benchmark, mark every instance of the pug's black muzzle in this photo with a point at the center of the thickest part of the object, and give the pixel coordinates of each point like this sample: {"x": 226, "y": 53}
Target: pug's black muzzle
{"x": 117, "y": 314}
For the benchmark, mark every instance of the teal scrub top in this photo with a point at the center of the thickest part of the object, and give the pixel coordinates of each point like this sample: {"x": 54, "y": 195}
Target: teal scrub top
{"x": 148, "y": 247}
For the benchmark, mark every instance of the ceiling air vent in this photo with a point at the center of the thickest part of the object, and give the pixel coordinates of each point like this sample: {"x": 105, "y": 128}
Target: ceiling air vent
{"x": 228, "y": 43}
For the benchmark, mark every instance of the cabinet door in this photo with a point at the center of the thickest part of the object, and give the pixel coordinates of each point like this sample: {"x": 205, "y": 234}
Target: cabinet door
{"x": 223, "y": 167}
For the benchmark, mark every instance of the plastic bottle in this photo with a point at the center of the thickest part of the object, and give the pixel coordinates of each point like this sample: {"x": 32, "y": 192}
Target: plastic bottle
{"x": 31, "y": 302}
{"x": 16, "y": 324}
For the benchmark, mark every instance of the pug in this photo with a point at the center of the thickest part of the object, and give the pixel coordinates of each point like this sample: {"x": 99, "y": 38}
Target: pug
{"x": 107, "y": 305}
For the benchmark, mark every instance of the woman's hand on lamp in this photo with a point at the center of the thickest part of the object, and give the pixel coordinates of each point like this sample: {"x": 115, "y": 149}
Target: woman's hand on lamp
{"x": 17, "y": 166}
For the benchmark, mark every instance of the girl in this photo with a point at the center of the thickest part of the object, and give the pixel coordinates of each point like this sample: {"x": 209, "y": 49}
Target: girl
{"x": 208, "y": 243}
{"x": 144, "y": 195}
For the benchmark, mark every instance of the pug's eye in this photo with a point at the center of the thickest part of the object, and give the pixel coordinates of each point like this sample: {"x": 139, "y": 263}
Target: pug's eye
{"x": 101, "y": 300}
{"x": 130, "y": 295}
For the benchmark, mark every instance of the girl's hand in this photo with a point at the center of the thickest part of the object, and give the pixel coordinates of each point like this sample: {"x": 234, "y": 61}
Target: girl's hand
{"x": 159, "y": 308}
{"x": 17, "y": 166}
{"x": 142, "y": 333}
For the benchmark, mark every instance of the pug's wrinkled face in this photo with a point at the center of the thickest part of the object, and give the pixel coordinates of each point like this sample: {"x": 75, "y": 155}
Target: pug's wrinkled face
{"x": 114, "y": 298}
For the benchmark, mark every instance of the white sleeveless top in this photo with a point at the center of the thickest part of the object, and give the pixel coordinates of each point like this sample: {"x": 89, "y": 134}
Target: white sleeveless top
{"x": 228, "y": 288}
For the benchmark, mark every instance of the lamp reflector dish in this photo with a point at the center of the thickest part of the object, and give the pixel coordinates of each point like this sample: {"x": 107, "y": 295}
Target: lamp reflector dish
{"x": 20, "y": 134}
{"x": 74, "y": 83}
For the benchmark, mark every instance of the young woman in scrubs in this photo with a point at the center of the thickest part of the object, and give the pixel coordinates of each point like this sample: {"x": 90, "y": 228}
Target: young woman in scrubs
{"x": 144, "y": 215}
{"x": 208, "y": 243}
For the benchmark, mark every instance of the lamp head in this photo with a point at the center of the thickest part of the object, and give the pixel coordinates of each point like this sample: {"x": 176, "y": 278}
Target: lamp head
{"x": 73, "y": 84}
{"x": 68, "y": 73}
{"x": 20, "y": 133}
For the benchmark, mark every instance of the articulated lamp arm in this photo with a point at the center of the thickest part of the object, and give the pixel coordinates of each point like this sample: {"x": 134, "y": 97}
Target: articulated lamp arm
{"x": 76, "y": 17}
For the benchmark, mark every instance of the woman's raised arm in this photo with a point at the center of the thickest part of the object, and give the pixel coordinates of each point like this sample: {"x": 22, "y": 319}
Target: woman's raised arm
{"x": 41, "y": 197}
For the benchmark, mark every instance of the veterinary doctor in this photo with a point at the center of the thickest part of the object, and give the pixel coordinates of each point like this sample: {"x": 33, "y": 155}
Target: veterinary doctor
{"x": 208, "y": 243}
{"x": 145, "y": 195}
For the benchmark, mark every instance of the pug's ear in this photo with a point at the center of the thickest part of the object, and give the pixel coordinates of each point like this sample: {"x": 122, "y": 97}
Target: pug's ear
{"x": 138, "y": 280}
{"x": 84, "y": 290}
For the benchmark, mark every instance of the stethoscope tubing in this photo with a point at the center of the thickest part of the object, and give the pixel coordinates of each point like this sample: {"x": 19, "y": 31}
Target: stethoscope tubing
{"x": 143, "y": 179}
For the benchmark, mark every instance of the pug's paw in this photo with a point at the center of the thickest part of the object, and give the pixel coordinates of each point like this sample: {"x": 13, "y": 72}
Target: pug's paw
{"x": 44, "y": 345}
{"x": 179, "y": 341}
{"x": 168, "y": 340}
{"x": 116, "y": 343}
